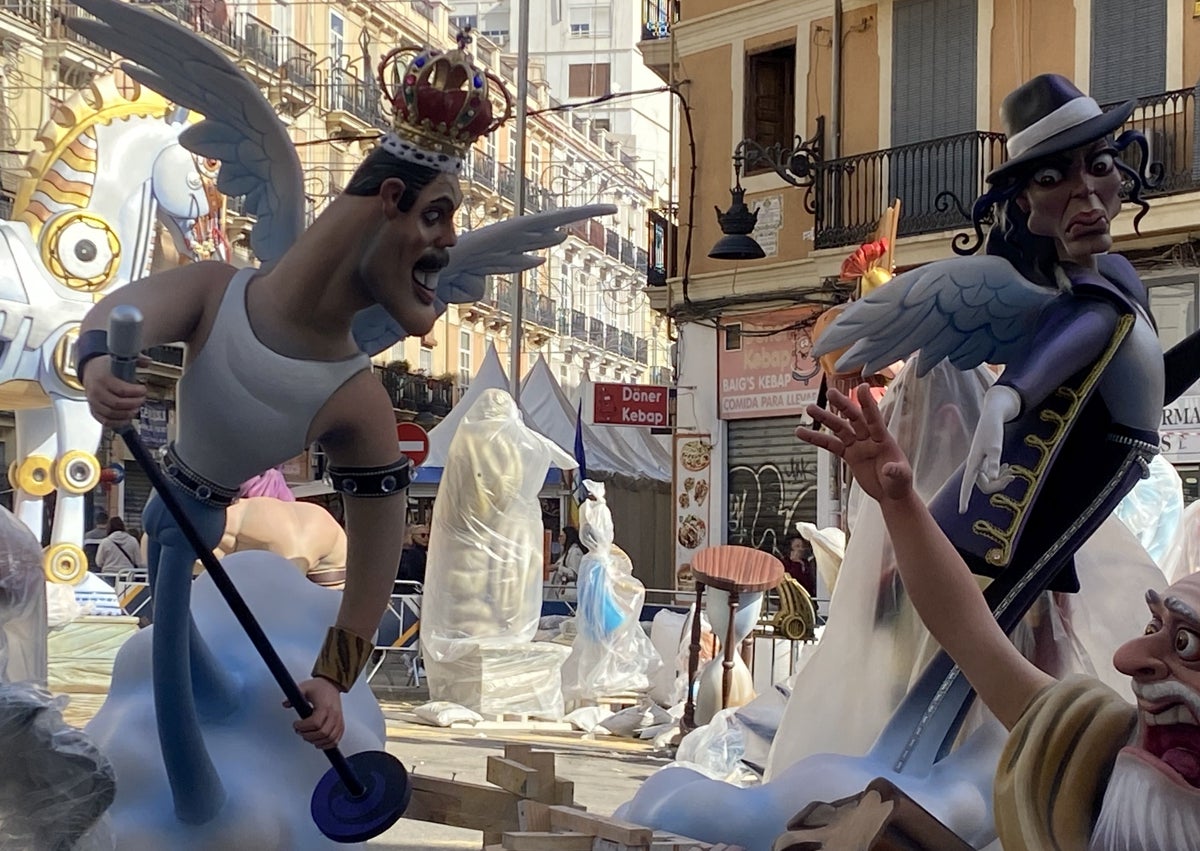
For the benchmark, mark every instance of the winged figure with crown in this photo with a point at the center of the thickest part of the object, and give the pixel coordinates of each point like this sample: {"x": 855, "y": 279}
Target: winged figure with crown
{"x": 278, "y": 357}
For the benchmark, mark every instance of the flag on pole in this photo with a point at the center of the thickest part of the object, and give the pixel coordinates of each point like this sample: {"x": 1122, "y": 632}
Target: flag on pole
{"x": 580, "y": 454}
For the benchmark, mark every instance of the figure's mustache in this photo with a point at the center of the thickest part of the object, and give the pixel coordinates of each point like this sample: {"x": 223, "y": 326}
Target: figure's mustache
{"x": 433, "y": 260}
{"x": 1167, "y": 691}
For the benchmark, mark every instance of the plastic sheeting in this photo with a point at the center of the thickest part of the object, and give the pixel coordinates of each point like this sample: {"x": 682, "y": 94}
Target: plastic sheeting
{"x": 611, "y": 652}
{"x": 55, "y": 784}
{"x": 874, "y": 644}
{"x": 22, "y": 604}
{"x": 1183, "y": 556}
{"x": 483, "y": 588}
{"x": 1153, "y": 510}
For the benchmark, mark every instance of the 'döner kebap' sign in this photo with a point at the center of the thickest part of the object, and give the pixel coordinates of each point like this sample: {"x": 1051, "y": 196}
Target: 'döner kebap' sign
{"x": 630, "y": 405}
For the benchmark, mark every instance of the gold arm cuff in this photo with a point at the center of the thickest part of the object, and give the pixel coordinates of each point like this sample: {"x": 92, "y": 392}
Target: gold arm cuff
{"x": 342, "y": 658}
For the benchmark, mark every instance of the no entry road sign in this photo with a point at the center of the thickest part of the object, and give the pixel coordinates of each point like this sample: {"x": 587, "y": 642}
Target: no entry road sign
{"x": 414, "y": 441}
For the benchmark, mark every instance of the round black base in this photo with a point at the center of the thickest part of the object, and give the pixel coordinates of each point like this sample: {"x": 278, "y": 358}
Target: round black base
{"x": 344, "y": 818}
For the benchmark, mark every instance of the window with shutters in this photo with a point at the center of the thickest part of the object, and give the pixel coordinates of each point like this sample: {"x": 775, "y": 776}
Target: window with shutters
{"x": 588, "y": 81}
{"x": 1129, "y": 51}
{"x": 934, "y": 59}
{"x": 770, "y": 102}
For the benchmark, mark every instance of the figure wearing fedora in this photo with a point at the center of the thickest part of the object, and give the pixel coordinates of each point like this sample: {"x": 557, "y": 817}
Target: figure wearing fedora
{"x": 1072, "y": 422}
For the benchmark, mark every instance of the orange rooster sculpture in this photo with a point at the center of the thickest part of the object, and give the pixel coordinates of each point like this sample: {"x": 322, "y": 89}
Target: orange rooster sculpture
{"x": 872, "y": 266}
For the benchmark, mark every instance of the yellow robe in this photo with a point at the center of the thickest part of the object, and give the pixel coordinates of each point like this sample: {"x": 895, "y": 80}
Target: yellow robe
{"x": 1051, "y": 778}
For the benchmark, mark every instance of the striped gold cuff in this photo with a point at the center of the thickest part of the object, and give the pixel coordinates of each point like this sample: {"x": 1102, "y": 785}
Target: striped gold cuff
{"x": 342, "y": 658}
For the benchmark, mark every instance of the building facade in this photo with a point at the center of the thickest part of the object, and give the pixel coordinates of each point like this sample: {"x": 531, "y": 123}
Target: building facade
{"x": 869, "y": 102}
{"x": 585, "y": 309}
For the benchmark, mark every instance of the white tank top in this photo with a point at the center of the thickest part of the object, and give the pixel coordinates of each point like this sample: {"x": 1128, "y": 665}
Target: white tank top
{"x": 244, "y": 408}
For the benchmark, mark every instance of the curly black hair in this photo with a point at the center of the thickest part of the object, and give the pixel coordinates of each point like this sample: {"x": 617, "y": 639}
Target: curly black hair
{"x": 1008, "y": 233}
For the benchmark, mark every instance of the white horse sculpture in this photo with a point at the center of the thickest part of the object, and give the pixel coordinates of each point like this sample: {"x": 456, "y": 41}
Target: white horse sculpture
{"x": 84, "y": 223}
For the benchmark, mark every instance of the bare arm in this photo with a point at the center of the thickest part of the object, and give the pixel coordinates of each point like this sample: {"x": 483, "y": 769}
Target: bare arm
{"x": 942, "y": 589}
{"x": 174, "y": 305}
{"x": 365, "y": 436}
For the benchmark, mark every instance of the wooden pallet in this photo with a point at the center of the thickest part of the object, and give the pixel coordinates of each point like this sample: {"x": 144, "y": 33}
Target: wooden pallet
{"x": 525, "y": 806}
{"x": 558, "y": 828}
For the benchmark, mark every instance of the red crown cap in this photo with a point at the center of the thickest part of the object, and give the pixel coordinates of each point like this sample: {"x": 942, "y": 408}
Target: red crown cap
{"x": 440, "y": 100}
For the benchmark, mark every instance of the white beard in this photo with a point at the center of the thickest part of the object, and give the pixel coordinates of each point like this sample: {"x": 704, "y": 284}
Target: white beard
{"x": 1145, "y": 811}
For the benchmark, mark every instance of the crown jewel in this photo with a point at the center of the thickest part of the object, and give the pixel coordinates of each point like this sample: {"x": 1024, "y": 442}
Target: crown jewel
{"x": 440, "y": 102}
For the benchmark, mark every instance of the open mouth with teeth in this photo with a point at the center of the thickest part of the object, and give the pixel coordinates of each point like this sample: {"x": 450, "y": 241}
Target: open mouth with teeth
{"x": 425, "y": 283}
{"x": 1172, "y": 738}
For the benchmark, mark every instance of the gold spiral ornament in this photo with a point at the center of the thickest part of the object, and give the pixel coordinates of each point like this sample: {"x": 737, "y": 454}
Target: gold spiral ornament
{"x": 64, "y": 564}
{"x": 81, "y": 250}
{"x": 35, "y": 475}
{"x": 77, "y": 472}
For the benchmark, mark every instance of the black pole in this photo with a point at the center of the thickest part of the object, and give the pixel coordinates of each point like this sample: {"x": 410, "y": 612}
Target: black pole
{"x": 124, "y": 333}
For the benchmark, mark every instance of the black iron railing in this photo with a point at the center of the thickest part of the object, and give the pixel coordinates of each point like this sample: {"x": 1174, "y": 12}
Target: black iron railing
{"x": 346, "y": 93}
{"x": 579, "y": 325}
{"x": 414, "y": 392}
{"x": 643, "y": 350}
{"x": 60, "y": 13}
{"x": 539, "y": 309}
{"x": 261, "y": 43}
{"x": 656, "y": 18}
{"x": 483, "y": 169}
{"x": 1168, "y": 121}
{"x": 662, "y": 375}
{"x": 628, "y": 347}
{"x": 32, "y": 11}
{"x": 298, "y": 61}
{"x": 851, "y": 192}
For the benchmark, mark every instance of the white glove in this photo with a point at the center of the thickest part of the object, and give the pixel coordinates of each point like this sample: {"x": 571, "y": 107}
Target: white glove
{"x": 983, "y": 467}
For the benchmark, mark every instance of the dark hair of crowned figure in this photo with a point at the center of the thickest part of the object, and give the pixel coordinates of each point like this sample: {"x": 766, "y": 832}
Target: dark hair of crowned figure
{"x": 379, "y": 166}
{"x": 1048, "y": 101}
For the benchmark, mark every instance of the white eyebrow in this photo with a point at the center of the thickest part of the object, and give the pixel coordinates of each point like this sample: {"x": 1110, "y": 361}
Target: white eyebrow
{"x": 1182, "y": 609}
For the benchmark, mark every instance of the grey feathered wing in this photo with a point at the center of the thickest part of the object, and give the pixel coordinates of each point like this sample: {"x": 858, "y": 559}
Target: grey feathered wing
{"x": 968, "y": 310}
{"x": 240, "y": 129}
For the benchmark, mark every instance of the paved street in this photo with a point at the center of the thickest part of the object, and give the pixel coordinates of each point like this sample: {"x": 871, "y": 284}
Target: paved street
{"x": 606, "y": 770}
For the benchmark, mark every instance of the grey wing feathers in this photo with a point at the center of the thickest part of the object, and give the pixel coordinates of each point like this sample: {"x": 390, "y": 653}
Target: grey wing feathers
{"x": 240, "y": 128}
{"x": 968, "y": 310}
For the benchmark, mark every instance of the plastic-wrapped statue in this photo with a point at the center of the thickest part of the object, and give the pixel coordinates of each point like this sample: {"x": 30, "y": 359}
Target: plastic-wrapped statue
{"x": 483, "y": 583}
{"x": 55, "y": 783}
{"x": 611, "y": 652}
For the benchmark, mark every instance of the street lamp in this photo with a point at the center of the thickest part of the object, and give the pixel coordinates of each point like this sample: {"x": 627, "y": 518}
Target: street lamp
{"x": 794, "y": 165}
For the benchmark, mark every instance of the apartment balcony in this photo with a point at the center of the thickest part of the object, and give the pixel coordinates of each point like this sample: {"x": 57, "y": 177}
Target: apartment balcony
{"x": 662, "y": 375}
{"x": 938, "y": 180}
{"x": 642, "y": 352}
{"x": 299, "y": 62}
{"x": 483, "y": 170}
{"x": 851, "y": 192}
{"x": 352, "y": 105}
{"x": 261, "y": 43}
{"x": 32, "y": 12}
{"x": 61, "y": 12}
{"x": 655, "y": 44}
{"x": 417, "y": 393}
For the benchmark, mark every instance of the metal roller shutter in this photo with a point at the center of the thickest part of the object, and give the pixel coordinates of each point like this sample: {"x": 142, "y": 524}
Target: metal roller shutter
{"x": 1129, "y": 49}
{"x": 137, "y": 492}
{"x": 933, "y": 95}
{"x": 772, "y": 482}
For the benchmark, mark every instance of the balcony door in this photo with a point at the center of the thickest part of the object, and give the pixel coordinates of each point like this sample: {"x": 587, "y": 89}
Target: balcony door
{"x": 933, "y": 97}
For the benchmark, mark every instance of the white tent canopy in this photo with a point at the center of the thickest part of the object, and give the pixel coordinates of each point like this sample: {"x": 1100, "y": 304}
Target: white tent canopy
{"x": 490, "y": 377}
{"x": 548, "y": 410}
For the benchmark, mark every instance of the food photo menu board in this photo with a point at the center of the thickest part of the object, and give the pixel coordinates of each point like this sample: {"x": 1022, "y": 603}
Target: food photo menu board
{"x": 693, "y": 508}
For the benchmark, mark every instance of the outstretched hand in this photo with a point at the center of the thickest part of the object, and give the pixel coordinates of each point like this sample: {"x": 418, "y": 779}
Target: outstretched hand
{"x": 858, "y": 436}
